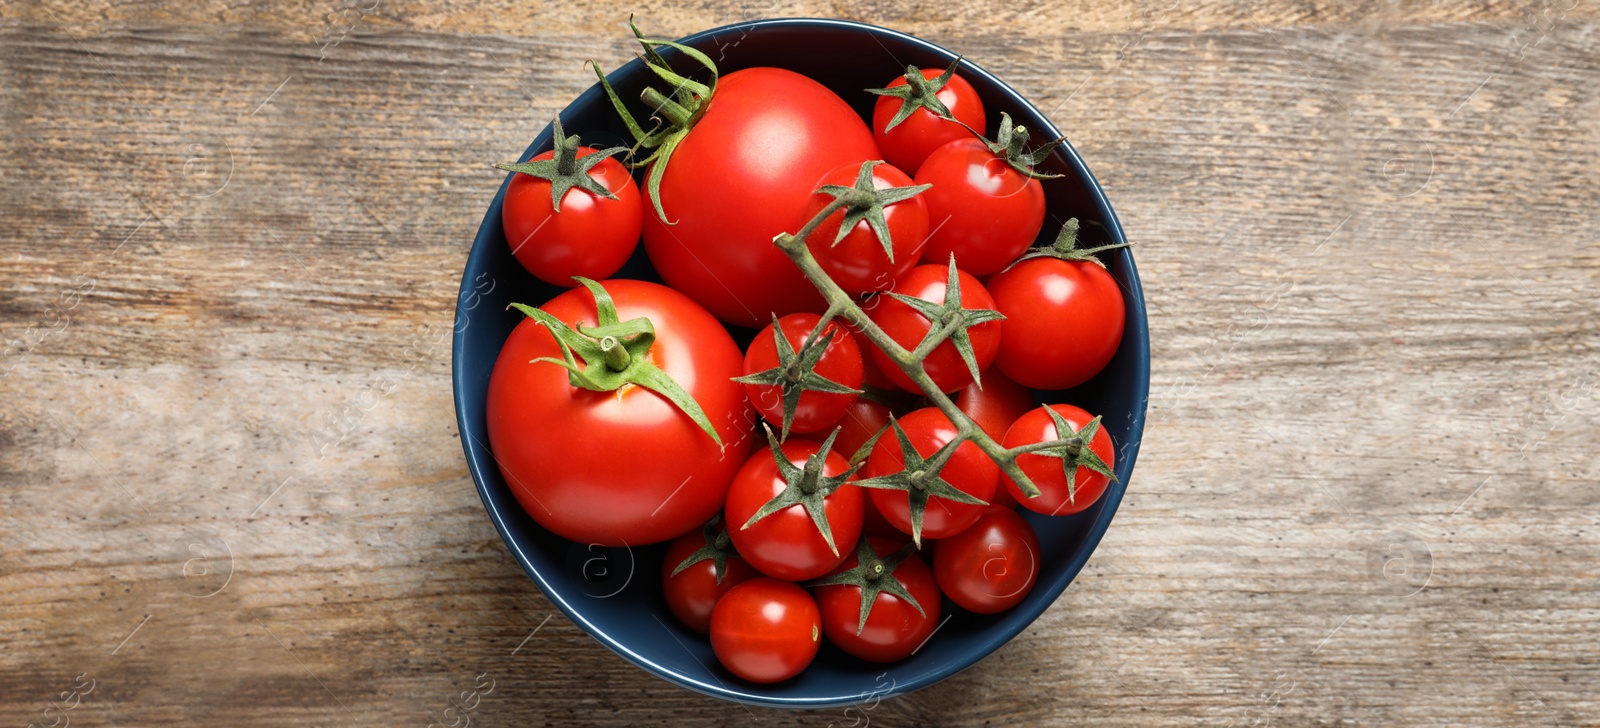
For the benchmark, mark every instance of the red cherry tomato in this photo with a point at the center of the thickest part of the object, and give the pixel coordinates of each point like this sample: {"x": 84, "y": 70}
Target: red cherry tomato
{"x": 693, "y": 592}
{"x": 894, "y": 627}
{"x": 591, "y": 236}
{"x": 994, "y": 407}
{"x": 979, "y": 208}
{"x": 873, "y": 524}
{"x": 858, "y": 262}
{"x": 863, "y": 420}
{"x": 1047, "y": 473}
{"x": 968, "y": 470}
{"x": 914, "y": 138}
{"x": 907, "y": 326}
{"x": 991, "y": 566}
{"x": 628, "y": 467}
{"x": 765, "y": 630}
{"x": 840, "y": 363}
{"x": 1037, "y": 295}
{"x": 740, "y": 178}
{"x": 787, "y": 544}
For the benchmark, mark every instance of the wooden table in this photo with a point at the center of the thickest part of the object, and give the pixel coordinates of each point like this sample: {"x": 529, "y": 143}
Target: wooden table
{"x": 231, "y": 486}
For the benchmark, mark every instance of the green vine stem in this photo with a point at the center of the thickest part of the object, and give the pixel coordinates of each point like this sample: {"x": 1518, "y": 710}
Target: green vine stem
{"x": 840, "y": 304}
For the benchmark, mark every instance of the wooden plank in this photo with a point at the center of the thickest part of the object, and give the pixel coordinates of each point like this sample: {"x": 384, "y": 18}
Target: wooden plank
{"x": 1365, "y": 495}
{"x": 327, "y": 23}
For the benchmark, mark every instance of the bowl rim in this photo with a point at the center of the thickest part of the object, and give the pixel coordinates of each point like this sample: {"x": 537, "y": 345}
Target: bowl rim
{"x": 749, "y": 694}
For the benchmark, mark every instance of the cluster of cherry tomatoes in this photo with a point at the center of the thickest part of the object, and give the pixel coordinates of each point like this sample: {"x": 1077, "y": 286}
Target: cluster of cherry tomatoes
{"x": 807, "y": 483}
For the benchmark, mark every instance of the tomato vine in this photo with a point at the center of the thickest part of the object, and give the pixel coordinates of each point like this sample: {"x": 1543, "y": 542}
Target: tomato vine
{"x": 842, "y": 305}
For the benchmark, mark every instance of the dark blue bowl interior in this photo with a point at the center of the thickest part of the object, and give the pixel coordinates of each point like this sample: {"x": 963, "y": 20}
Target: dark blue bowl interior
{"x": 614, "y": 594}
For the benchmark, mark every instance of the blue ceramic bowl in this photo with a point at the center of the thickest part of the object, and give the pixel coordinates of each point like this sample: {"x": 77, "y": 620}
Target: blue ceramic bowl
{"x": 615, "y": 594}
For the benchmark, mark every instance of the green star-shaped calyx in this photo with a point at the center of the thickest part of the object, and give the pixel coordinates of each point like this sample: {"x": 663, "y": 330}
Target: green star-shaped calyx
{"x": 675, "y": 112}
{"x": 918, "y": 92}
{"x": 949, "y": 321}
{"x": 718, "y": 547}
{"x": 920, "y": 478}
{"x": 566, "y": 169}
{"x": 874, "y": 575}
{"x": 796, "y": 373}
{"x": 806, "y": 486}
{"x": 1072, "y": 448}
{"x": 613, "y": 353}
{"x": 1009, "y": 144}
{"x": 1066, "y": 247}
{"x": 865, "y": 201}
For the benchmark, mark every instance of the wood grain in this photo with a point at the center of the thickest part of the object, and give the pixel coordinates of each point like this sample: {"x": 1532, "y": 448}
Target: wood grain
{"x": 231, "y": 487}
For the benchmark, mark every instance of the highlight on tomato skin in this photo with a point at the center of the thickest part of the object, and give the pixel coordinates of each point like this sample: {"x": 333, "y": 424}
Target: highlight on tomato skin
{"x": 765, "y": 630}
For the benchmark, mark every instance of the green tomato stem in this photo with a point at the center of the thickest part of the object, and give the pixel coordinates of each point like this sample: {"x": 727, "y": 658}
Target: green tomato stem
{"x": 927, "y": 346}
{"x": 617, "y": 357}
{"x": 566, "y": 160}
{"x": 1015, "y": 143}
{"x": 671, "y": 110}
{"x": 794, "y": 246}
{"x": 1035, "y": 447}
{"x": 822, "y": 324}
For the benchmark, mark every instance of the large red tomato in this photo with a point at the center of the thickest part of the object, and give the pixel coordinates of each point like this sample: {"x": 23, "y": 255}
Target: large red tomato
{"x": 1064, "y": 321}
{"x": 916, "y": 136}
{"x": 625, "y": 467}
{"x": 1058, "y": 497}
{"x": 591, "y": 235}
{"x": 980, "y": 208}
{"x": 787, "y": 544}
{"x": 907, "y": 326}
{"x": 894, "y": 627}
{"x": 857, "y": 261}
{"x": 737, "y": 180}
